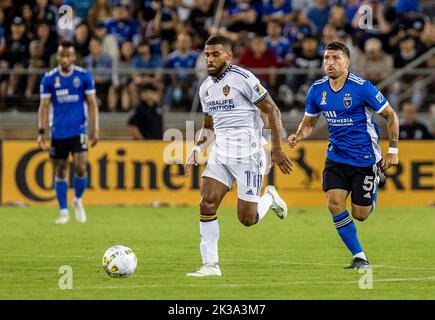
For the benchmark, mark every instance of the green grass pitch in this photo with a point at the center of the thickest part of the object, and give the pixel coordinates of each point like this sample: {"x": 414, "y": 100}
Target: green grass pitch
{"x": 300, "y": 257}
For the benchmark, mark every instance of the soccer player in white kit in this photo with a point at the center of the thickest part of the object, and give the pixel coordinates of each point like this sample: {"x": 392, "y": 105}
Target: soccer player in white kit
{"x": 232, "y": 99}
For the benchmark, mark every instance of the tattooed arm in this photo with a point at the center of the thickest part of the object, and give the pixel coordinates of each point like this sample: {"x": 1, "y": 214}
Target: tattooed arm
{"x": 391, "y": 158}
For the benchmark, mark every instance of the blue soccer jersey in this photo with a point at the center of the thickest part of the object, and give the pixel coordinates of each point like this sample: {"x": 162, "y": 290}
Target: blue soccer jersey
{"x": 68, "y": 105}
{"x": 353, "y": 135}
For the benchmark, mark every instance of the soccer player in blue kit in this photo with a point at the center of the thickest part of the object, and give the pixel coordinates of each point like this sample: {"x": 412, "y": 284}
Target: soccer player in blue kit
{"x": 70, "y": 90}
{"x": 354, "y": 161}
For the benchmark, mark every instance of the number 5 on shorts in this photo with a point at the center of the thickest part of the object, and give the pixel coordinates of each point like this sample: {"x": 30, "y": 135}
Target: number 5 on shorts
{"x": 368, "y": 183}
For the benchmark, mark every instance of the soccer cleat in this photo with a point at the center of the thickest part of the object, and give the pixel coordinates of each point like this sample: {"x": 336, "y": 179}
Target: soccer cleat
{"x": 278, "y": 205}
{"x": 63, "y": 219}
{"x": 80, "y": 213}
{"x": 206, "y": 270}
{"x": 358, "y": 263}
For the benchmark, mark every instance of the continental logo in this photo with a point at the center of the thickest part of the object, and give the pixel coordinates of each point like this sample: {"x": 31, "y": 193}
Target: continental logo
{"x": 131, "y": 172}
{"x": 35, "y": 177}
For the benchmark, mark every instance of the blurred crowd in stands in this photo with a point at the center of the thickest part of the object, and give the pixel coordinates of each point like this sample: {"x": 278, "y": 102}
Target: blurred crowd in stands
{"x": 124, "y": 36}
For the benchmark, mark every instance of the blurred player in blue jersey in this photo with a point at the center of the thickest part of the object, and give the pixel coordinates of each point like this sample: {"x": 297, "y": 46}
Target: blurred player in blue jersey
{"x": 70, "y": 91}
{"x": 354, "y": 161}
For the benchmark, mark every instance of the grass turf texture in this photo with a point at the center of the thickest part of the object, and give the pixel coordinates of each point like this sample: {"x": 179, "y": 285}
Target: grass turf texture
{"x": 300, "y": 257}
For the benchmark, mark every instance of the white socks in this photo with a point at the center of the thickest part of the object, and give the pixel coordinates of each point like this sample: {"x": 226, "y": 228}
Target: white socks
{"x": 264, "y": 204}
{"x": 209, "y": 232}
{"x": 360, "y": 255}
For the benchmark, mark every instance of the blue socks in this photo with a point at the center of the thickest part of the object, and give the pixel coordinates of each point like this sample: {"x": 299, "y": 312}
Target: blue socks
{"x": 80, "y": 185}
{"x": 347, "y": 230}
{"x": 61, "y": 188}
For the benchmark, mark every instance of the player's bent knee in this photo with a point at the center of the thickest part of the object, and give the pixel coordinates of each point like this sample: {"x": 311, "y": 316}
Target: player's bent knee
{"x": 208, "y": 204}
{"x": 336, "y": 207}
{"x": 361, "y": 215}
{"x": 247, "y": 220}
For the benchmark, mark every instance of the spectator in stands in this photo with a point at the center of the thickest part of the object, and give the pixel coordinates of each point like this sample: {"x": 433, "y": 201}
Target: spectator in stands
{"x": 147, "y": 120}
{"x": 167, "y": 23}
{"x": 329, "y": 34}
{"x": 427, "y": 37}
{"x": 29, "y": 20}
{"x": 407, "y": 52}
{"x": 100, "y": 12}
{"x": 145, "y": 59}
{"x": 377, "y": 27}
{"x": 82, "y": 7}
{"x": 243, "y": 15}
{"x": 17, "y": 53}
{"x": 319, "y": 14}
{"x": 410, "y": 127}
{"x": 123, "y": 26}
{"x": 374, "y": 65}
{"x": 278, "y": 44}
{"x": 109, "y": 44}
{"x": 201, "y": 17}
{"x": 408, "y": 24}
{"x": 44, "y": 12}
{"x": 298, "y": 27}
{"x": 278, "y": 10}
{"x": 296, "y": 85}
{"x": 99, "y": 60}
{"x": 36, "y": 61}
{"x": 120, "y": 87}
{"x": 47, "y": 40}
{"x": 82, "y": 38}
{"x": 259, "y": 56}
{"x": 181, "y": 90}
{"x": 351, "y": 8}
{"x": 337, "y": 19}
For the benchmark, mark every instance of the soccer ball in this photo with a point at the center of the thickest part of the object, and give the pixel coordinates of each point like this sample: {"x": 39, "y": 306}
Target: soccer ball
{"x": 119, "y": 262}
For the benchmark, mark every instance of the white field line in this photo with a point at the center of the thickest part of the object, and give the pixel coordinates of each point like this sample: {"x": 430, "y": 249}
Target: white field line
{"x": 254, "y": 285}
{"x": 381, "y": 266}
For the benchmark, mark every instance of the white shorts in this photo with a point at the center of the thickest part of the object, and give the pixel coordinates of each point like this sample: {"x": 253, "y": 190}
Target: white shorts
{"x": 248, "y": 173}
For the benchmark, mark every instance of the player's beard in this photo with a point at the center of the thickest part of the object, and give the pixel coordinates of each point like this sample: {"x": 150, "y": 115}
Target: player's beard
{"x": 218, "y": 71}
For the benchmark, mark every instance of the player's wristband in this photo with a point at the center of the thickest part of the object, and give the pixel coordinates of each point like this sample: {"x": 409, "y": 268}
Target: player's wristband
{"x": 393, "y": 150}
{"x": 41, "y": 131}
{"x": 197, "y": 148}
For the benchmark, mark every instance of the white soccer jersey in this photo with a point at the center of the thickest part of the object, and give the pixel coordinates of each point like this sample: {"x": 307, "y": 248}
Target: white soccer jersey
{"x": 231, "y": 101}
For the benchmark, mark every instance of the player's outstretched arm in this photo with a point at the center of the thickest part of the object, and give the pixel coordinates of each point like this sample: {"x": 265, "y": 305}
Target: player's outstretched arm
{"x": 278, "y": 156}
{"x": 392, "y": 157}
{"x": 94, "y": 122}
{"x": 304, "y": 131}
{"x": 204, "y": 140}
{"x": 43, "y": 112}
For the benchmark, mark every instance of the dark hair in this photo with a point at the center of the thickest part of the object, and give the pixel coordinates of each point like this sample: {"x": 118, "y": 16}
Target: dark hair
{"x": 338, "y": 46}
{"x": 213, "y": 40}
{"x": 66, "y": 44}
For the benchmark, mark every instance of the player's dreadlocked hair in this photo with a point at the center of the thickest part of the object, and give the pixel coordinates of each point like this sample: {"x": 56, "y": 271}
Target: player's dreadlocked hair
{"x": 213, "y": 40}
{"x": 338, "y": 46}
